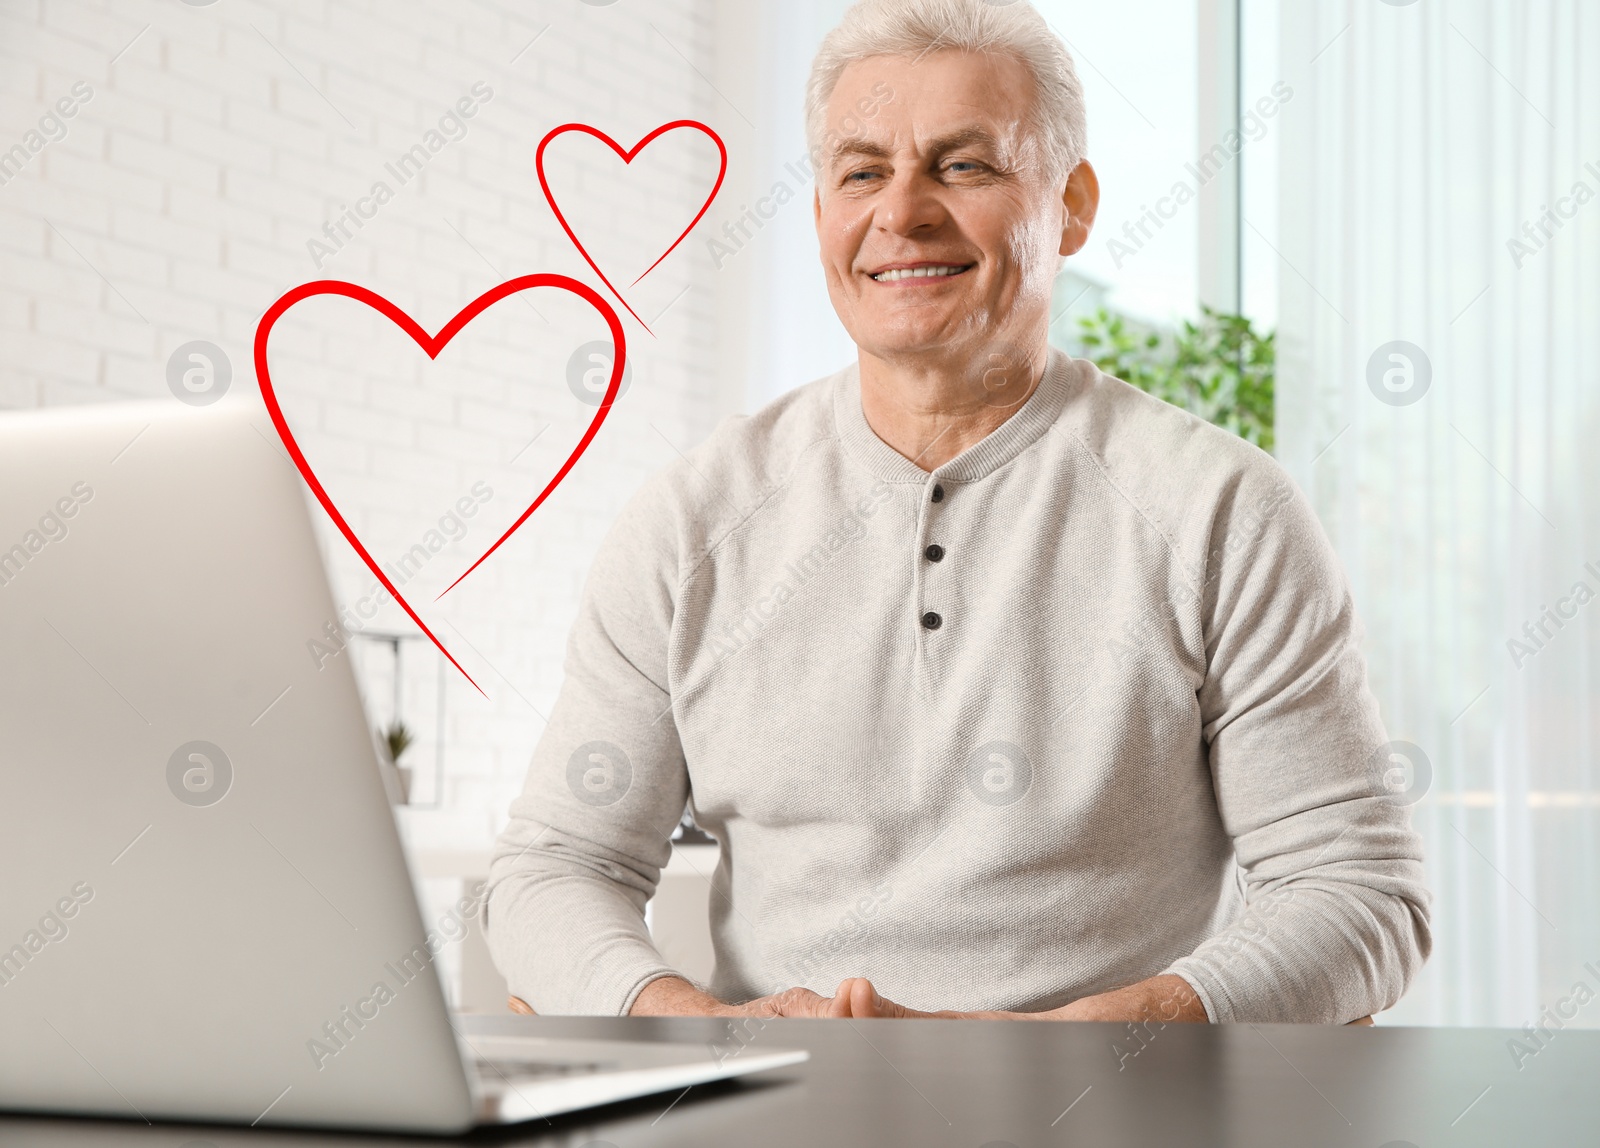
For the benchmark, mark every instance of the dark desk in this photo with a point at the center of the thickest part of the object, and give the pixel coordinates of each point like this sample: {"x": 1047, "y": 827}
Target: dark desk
{"x": 975, "y": 1083}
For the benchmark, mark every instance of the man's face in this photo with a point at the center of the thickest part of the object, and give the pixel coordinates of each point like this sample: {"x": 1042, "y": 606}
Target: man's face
{"x": 943, "y": 179}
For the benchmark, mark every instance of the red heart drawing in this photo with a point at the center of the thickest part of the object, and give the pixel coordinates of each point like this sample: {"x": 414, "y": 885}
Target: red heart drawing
{"x": 627, "y": 157}
{"x": 432, "y": 345}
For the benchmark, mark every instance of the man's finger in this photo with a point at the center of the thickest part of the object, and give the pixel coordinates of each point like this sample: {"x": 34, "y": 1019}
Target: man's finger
{"x": 799, "y": 1002}
{"x": 839, "y": 1006}
{"x": 866, "y": 1001}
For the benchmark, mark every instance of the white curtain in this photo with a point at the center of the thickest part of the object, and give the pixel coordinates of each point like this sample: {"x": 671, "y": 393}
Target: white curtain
{"x": 1440, "y": 186}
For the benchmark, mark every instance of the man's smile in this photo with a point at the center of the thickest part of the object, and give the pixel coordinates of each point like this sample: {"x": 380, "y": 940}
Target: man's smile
{"x": 918, "y": 274}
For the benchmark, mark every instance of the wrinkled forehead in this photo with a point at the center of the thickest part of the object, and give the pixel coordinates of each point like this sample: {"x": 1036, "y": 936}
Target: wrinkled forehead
{"x": 929, "y": 104}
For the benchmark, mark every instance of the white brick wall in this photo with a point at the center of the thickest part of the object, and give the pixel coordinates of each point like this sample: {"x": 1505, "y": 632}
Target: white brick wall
{"x": 178, "y": 207}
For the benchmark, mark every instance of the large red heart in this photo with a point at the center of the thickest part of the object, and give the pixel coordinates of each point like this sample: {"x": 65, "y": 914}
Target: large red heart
{"x": 432, "y": 344}
{"x": 627, "y": 157}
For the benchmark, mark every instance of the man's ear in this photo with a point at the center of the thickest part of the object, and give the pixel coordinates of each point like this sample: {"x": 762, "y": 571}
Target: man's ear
{"x": 1082, "y": 201}
{"x": 816, "y": 205}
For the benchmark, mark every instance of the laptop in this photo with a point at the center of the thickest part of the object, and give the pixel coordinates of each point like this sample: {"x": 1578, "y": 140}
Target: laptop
{"x": 205, "y": 910}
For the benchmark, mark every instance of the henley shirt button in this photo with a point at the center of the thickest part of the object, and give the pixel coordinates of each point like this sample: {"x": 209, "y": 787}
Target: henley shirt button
{"x": 931, "y": 621}
{"x": 935, "y": 552}
{"x": 938, "y": 494}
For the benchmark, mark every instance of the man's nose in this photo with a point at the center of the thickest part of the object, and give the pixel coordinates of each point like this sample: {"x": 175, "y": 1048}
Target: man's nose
{"x": 910, "y": 203}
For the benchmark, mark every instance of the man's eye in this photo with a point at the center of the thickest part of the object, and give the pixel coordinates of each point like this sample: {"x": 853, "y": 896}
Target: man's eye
{"x": 967, "y": 164}
{"x": 859, "y": 176}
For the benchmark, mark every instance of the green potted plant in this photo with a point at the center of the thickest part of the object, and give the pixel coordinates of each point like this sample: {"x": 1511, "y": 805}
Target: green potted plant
{"x": 396, "y": 739}
{"x": 1220, "y": 369}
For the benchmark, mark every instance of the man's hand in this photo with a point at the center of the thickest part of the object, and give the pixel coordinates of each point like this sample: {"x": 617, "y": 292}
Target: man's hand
{"x": 1167, "y": 999}
{"x": 674, "y": 996}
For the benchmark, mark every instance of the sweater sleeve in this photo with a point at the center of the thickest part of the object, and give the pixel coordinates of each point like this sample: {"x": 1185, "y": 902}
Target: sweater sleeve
{"x": 1336, "y": 917}
{"x": 589, "y": 835}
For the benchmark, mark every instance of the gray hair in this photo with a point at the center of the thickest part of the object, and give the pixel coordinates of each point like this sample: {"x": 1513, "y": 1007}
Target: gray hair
{"x": 913, "y": 27}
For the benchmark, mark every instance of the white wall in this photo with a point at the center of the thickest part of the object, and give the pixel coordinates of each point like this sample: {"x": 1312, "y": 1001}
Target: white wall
{"x": 179, "y": 205}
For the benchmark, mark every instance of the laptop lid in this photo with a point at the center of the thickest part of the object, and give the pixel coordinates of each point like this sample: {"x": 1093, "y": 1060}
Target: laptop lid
{"x": 206, "y": 910}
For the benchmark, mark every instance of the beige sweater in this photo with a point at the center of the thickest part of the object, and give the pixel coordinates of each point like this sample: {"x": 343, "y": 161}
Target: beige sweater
{"x": 1123, "y": 701}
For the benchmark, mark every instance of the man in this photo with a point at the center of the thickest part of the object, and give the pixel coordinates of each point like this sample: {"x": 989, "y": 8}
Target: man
{"x": 1007, "y": 689}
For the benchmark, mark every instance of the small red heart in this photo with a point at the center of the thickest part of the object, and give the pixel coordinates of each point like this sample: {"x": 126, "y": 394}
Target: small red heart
{"x": 432, "y": 345}
{"x": 627, "y": 157}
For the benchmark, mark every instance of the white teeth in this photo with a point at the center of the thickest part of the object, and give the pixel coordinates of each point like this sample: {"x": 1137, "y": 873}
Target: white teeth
{"x": 919, "y": 273}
